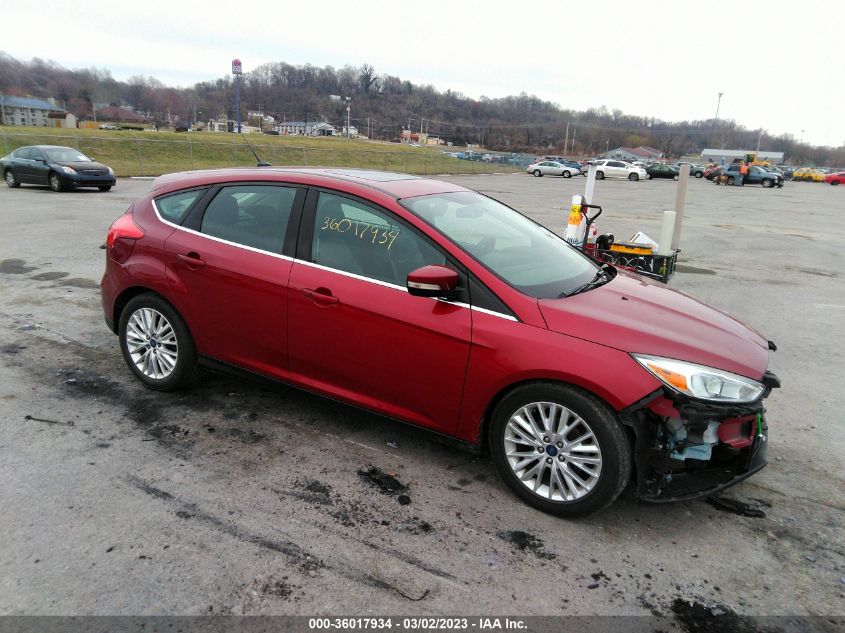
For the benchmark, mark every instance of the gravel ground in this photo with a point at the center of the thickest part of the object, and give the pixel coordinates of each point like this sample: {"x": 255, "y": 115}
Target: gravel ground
{"x": 244, "y": 498}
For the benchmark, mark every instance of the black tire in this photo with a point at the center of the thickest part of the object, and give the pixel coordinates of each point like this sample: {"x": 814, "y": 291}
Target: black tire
{"x": 537, "y": 173}
{"x": 597, "y": 416}
{"x": 105, "y": 188}
{"x": 699, "y": 174}
{"x": 599, "y": 175}
{"x": 185, "y": 370}
{"x": 55, "y": 182}
{"x": 834, "y": 183}
{"x": 731, "y": 180}
{"x": 633, "y": 177}
{"x": 11, "y": 180}
{"x": 675, "y": 177}
{"x": 566, "y": 173}
{"x": 648, "y": 176}
{"x": 767, "y": 183}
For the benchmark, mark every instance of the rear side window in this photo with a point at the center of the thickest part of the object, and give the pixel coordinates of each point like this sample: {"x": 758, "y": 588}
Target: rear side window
{"x": 250, "y": 215}
{"x": 174, "y": 207}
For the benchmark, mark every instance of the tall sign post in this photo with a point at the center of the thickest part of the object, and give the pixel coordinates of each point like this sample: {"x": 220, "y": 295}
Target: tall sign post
{"x": 237, "y": 71}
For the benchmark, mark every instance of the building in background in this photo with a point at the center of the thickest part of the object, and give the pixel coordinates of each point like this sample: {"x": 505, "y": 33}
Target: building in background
{"x": 60, "y": 118}
{"x": 725, "y": 156}
{"x": 27, "y": 110}
{"x": 631, "y": 154}
{"x": 309, "y": 128}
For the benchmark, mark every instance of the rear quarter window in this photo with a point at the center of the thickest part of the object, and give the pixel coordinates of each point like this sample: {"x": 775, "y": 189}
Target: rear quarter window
{"x": 174, "y": 207}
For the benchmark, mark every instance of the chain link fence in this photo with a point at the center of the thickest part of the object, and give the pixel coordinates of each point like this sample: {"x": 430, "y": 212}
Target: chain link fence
{"x": 139, "y": 156}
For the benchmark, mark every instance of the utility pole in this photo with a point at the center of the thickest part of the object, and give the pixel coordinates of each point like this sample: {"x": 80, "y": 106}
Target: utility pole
{"x": 237, "y": 70}
{"x": 759, "y": 138}
{"x": 574, "y": 131}
{"x": 716, "y": 118}
{"x": 566, "y": 139}
{"x": 2, "y": 110}
{"x": 348, "y": 112}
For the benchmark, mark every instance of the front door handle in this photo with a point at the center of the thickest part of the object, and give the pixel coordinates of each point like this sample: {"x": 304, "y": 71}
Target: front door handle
{"x": 321, "y": 296}
{"x": 192, "y": 260}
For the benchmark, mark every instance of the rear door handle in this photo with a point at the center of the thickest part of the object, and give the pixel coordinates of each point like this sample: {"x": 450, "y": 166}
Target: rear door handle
{"x": 320, "y": 296}
{"x": 192, "y": 260}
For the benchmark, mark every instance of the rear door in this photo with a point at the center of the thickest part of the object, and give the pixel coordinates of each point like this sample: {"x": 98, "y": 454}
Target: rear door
{"x": 354, "y": 331}
{"x": 23, "y": 162}
{"x": 229, "y": 265}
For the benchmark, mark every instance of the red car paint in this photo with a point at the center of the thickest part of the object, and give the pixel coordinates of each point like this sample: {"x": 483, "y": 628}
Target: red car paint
{"x": 434, "y": 363}
{"x": 837, "y": 178}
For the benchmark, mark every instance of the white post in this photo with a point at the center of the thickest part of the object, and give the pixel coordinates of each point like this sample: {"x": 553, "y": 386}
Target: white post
{"x": 680, "y": 201}
{"x": 590, "y": 189}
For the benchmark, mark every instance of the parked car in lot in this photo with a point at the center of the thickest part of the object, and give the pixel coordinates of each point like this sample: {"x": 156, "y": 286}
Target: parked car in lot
{"x": 756, "y": 176}
{"x": 618, "y": 169}
{"x": 57, "y": 167}
{"x": 695, "y": 171}
{"x": 713, "y": 172}
{"x": 661, "y": 170}
{"x": 808, "y": 174}
{"x": 836, "y": 178}
{"x": 552, "y": 168}
{"x": 432, "y": 304}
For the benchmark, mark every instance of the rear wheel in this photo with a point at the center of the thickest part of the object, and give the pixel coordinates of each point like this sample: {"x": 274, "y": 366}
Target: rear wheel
{"x": 560, "y": 449}
{"x": 537, "y": 173}
{"x": 156, "y": 343}
{"x": 699, "y": 174}
{"x": 599, "y": 175}
{"x": 675, "y": 177}
{"x": 55, "y": 182}
{"x": 731, "y": 180}
{"x": 633, "y": 177}
{"x": 9, "y": 176}
{"x": 832, "y": 182}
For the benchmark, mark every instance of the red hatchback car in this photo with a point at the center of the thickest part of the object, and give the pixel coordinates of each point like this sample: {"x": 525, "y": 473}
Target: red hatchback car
{"x": 836, "y": 178}
{"x": 438, "y": 306}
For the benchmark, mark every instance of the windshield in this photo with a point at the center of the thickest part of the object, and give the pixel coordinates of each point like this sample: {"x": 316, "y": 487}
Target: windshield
{"x": 519, "y": 251}
{"x": 66, "y": 155}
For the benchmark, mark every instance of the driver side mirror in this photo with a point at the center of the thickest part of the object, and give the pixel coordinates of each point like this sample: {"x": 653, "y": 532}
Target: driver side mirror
{"x": 432, "y": 281}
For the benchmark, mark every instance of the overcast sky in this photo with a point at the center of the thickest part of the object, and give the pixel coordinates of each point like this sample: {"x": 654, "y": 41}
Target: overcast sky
{"x": 779, "y": 64}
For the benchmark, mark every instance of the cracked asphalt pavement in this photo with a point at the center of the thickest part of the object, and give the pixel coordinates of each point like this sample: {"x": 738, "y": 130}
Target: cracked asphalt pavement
{"x": 249, "y": 498}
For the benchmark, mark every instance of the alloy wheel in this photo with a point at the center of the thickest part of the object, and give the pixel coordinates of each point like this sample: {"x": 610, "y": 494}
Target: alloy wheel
{"x": 151, "y": 342}
{"x": 553, "y": 451}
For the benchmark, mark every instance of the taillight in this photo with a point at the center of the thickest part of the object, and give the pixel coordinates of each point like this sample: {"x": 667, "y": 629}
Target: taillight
{"x": 124, "y": 228}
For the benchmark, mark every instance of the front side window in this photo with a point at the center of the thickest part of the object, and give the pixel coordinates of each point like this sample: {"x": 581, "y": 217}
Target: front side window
{"x": 522, "y": 253}
{"x": 359, "y": 239}
{"x": 250, "y": 215}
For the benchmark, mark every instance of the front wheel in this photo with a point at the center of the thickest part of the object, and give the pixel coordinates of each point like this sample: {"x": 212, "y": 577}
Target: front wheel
{"x": 675, "y": 177}
{"x": 55, "y": 182}
{"x": 633, "y": 177}
{"x": 156, "y": 343}
{"x": 731, "y": 180}
{"x": 560, "y": 449}
{"x": 104, "y": 188}
{"x": 599, "y": 175}
{"x": 9, "y": 176}
{"x": 832, "y": 182}
{"x": 699, "y": 174}
{"x": 768, "y": 183}
{"x": 537, "y": 173}
{"x": 567, "y": 174}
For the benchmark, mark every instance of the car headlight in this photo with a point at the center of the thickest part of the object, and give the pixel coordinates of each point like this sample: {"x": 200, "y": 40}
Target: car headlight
{"x": 111, "y": 171}
{"x": 68, "y": 170}
{"x": 699, "y": 381}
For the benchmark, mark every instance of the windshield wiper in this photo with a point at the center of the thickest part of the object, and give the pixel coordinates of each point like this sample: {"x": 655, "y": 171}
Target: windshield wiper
{"x": 601, "y": 277}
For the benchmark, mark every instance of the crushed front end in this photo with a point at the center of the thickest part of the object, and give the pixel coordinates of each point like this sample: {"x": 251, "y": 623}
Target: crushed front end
{"x": 687, "y": 448}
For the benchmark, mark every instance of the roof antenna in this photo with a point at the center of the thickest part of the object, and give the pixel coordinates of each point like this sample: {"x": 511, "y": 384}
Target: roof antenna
{"x": 261, "y": 163}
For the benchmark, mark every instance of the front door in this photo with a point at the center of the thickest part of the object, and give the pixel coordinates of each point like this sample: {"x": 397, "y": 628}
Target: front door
{"x": 231, "y": 276}
{"x": 354, "y": 331}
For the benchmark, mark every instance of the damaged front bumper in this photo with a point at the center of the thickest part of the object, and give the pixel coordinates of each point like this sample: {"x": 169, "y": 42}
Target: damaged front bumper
{"x": 687, "y": 448}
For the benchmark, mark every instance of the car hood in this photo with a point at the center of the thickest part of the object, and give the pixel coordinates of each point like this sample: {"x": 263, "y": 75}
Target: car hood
{"x": 82, "y": 164}
{"x": 637, "y": 315}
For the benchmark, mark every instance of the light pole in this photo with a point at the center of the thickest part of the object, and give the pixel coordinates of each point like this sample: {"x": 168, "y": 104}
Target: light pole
{"x": 237, "y": 70}
{"x": 348, "y": 112}
{"x": 716, "y": 118}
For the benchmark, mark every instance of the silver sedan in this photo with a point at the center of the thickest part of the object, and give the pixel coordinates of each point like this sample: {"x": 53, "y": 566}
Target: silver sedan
{"x": 552, "y": 168}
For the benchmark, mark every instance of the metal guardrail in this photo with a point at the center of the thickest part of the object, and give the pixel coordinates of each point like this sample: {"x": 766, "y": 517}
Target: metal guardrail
{"x": 139, "y": 156}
